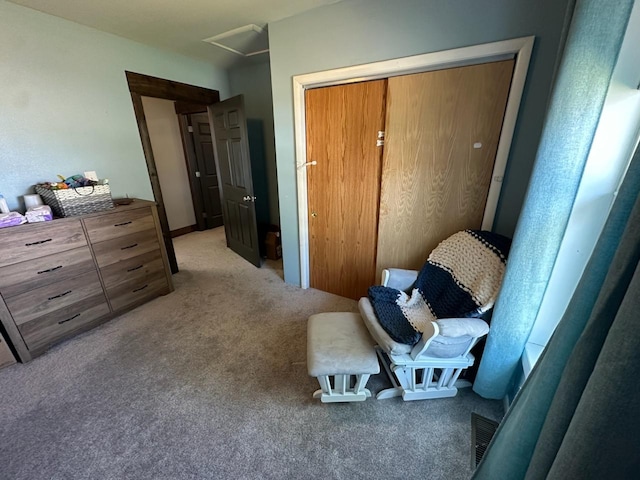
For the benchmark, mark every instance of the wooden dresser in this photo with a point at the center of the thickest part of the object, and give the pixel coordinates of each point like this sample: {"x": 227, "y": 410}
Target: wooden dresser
{"x": 66, "y": 276}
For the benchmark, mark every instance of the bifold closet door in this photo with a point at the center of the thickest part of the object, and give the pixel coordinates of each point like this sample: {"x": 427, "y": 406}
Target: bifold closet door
{"x": 442, "y": 132}
{"x": 343, "y": 187}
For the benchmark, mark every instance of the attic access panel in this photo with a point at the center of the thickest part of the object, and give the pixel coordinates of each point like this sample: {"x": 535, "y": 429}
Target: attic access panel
{"x": 245, "y": 41}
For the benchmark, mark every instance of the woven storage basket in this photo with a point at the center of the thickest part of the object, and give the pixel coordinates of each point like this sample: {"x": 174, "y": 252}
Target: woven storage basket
{"x": 77, "y": 201}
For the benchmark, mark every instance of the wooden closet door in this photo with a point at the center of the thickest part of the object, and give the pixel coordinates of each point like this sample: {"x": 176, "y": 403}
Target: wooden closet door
{"x": 442, "y": 133}
{"x": 344, "y": 186}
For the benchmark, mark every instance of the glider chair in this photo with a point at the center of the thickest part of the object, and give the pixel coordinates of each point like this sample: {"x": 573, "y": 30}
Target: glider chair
{"x": 426, "y": 323}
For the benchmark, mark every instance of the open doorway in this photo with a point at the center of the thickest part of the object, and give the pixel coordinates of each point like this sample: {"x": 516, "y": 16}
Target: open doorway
{"x": 158, "y": 88}
{"x": 183, "y": 154}
{"x": 197, "y": 143}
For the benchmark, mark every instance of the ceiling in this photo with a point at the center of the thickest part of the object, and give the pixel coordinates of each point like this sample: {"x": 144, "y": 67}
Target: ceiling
{"x": 178, "y": 26}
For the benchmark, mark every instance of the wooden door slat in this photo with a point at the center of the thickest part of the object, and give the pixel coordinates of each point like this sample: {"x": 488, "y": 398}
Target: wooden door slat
{"x": 442, "y": 133}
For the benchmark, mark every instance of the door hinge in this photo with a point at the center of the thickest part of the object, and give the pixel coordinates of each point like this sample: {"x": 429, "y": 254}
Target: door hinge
{"x": 380, "y": 141}
{"x": 190, "y": 129}
{"x": 197, "y": 174}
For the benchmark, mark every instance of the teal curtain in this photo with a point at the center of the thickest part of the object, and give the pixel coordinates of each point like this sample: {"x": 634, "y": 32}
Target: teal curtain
{"x": 578, "y": 413}
{"x": 590, "y": 53}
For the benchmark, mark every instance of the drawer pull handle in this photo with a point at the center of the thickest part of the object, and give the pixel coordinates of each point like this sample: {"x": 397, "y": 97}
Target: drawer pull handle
{"x": 141, "y": 288}
{"x": 135, "y": 268}
{"x": 38, "y": 242}
{"x": 122, "y": 224}
{"x": 61, "y": 295}
{"x": 129, "y": 246}
{"x": 50, "y": 269}
{"x": 69, "y": 319}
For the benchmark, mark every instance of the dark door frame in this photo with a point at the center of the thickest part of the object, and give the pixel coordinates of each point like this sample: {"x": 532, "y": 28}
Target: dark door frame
{"x": 192, "y": 168}
{"x": 147, "y": 86}
{"x": 183, "y": 110}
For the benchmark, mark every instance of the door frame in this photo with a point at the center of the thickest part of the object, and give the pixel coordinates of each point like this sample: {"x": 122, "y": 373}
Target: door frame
{"x": 518, "y": 48}
{"x": 141, "y": 85}
{"x": 192, "y": 168}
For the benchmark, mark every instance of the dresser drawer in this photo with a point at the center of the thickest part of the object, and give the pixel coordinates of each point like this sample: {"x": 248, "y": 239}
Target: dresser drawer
{"x": 26, "y": 242}
{"x": 137, "y": 290}
{"x": 41, "y": 301}
{"x": 42, "y": 331}
{"x": 115, "y": 225}
{"x": 132, "y": 268}
{"x": 25, "y": 276}
{"x": 124, "y": 248}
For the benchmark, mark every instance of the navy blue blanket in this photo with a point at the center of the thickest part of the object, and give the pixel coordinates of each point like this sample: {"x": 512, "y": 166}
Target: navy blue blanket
{"x": 461, "y": 278}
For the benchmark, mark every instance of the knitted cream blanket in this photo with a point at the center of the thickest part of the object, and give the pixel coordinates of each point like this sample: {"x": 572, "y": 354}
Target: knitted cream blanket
{"x": 461, "y": 278}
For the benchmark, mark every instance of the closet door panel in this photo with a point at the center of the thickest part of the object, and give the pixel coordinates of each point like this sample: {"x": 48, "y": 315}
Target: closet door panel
{"x": 344, "y": 186}
{"x": 442, "y": 133}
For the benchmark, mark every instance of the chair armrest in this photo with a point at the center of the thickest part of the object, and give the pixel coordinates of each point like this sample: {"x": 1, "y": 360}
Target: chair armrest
{"x": 431, "y": 331}
{"x": 471, "y": 328}
{"x": 458, "y": 327}
{"x": 399, "y": 278}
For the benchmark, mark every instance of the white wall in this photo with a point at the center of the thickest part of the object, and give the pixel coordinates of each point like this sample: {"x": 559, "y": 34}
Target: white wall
{"x": 613, "y": 146}
{"x": 254, "y": 82}
{"x": 65, "y": 106}
{"x": 166, "y": 142}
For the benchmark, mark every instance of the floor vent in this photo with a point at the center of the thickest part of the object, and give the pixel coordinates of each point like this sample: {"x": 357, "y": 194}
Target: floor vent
{"x": 482, "y": 431}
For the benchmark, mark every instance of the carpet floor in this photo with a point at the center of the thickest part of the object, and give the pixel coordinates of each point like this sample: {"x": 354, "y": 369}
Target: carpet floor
{"x": 211, "y": 382}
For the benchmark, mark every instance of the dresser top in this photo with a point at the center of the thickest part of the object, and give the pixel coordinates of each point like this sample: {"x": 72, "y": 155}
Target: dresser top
{"x": 135, "y": 204}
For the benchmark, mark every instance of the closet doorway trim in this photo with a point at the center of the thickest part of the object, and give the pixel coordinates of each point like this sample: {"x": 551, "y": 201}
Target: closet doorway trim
{"x": 520, "y": 48}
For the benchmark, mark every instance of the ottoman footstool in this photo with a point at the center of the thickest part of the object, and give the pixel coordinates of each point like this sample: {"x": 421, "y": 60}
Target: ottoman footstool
{"x": 339, "y": 346}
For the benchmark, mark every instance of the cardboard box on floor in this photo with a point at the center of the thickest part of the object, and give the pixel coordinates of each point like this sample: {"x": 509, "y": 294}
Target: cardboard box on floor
{"x": 273, "y": 246}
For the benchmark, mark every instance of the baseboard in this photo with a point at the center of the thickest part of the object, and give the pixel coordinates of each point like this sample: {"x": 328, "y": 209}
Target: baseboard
{"x": 183, "y": 230}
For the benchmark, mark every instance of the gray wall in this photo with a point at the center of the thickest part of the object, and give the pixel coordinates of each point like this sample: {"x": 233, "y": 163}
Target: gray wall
{"x": 254, "y": 82}
{"x": 354, "y": 32}
{"x": 65, "y": 107}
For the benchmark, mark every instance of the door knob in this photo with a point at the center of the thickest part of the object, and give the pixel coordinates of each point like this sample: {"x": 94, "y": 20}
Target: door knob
{"x": 249, "y": 198}
{"x": 314, "y": 214}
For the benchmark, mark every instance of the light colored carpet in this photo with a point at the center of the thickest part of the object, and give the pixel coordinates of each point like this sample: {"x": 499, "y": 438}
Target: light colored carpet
{"x": 211, "y": 382}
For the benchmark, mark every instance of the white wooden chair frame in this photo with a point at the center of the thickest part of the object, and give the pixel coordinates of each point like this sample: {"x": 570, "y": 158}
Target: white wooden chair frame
{"x": 415, "y": 375}
{"x": 346, "y": 388}
{"x": 438, "y": 376}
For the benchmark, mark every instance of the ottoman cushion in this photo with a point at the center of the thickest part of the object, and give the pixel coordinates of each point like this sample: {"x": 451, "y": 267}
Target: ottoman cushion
{"x": 339, "y": 344}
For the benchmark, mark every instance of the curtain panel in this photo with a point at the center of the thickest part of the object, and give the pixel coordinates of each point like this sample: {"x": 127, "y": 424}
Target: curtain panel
{"x": 577, "y": 414}
{"x": 584, "y": 73}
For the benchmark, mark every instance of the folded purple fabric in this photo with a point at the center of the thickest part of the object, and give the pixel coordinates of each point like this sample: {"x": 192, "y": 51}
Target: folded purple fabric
{"x": 11, "y": 219}
{"x": 41, "y": 213}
